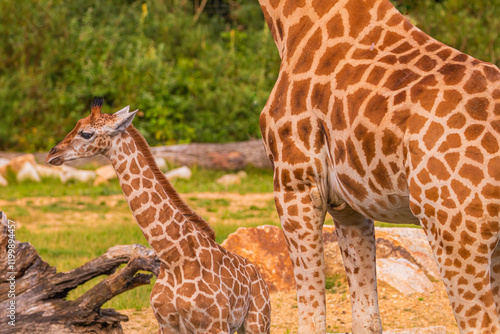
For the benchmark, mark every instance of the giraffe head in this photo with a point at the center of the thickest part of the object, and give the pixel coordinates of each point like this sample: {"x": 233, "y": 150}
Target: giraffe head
{"x": 92, "y": 135}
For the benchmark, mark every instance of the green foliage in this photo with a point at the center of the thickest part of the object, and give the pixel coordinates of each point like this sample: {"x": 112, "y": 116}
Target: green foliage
{"x": 469, "y": 26}
{"x": 203, "y": 81}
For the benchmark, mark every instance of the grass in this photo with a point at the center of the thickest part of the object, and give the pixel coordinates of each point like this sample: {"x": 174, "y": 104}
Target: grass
{"x": 73, "y": 223}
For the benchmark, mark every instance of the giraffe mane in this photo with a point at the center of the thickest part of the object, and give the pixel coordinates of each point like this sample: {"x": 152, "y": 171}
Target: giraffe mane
{"x": 186, "y": 211}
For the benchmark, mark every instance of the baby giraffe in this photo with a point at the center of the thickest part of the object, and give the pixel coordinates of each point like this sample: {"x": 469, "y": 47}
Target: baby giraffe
{"x": 202, "y": 287}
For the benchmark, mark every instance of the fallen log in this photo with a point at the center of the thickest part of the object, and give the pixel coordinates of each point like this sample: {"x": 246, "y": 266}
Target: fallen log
{"x": 228, "y": 156}
{"x": 32, "y": 293}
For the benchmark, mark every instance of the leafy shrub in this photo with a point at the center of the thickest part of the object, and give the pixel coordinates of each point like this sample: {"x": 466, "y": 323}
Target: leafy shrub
{"x": 203, "y": 81}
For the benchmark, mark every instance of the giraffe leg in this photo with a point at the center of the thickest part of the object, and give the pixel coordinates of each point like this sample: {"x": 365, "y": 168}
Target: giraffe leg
{"x": 258, "y": 319}
{"x": 465, "y": 263}
{"x": 356, "y": 238}
{"x": 495, "y": 276}
{"x": 302, "y": 221}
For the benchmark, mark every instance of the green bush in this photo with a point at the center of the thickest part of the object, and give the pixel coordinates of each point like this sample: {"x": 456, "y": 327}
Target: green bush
{"x": 203, "y": 81}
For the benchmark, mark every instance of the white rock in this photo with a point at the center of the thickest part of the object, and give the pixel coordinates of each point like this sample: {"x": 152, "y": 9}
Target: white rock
{"x": 160, "y": 162}
{"x": 17, "y": 163}
{"x": 48, "y": 171}
{"x": 28, "y": 172}
{"x": 404, "y": 276}
{"x": 228, "y": 179}
{"x": 104, "y": 174}
{"x": 4, "y": 161}
{"x": 3, "y": 181}
{"x": 180, "y": 173}
{"x": 70, "y": 173}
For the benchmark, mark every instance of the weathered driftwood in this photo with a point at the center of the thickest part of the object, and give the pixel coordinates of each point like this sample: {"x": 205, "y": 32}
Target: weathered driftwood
{"x": 40, "y": 291}
{"x": 229, "y": 156}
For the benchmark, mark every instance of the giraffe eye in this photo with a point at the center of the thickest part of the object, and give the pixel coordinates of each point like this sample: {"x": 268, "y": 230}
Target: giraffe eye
{"x": 86, "y": 135}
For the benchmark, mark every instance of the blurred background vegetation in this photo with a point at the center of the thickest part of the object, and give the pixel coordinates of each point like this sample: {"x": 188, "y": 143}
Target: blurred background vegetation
{"x": 205, "y": 80}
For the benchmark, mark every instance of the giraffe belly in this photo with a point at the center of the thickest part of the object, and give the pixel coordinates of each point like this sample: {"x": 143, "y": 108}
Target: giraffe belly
{"x": 353, "y": 192}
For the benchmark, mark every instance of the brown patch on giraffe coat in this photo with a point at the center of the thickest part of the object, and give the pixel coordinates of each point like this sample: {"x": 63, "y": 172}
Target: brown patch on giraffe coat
{"x": 424, "y": 177}
{"x": 451, "y": 100}
{"x": 354, "y": 102}
{"x": 426, "y": 63}
{"x": 290, "y": 6}
{"x": 139, "y": 201}
{"x": 376, "y": 74}
{"x": 372, "y": 36}
{"x": 420, "y": 37}
{"x": 474, "y": 153}
{"x": 402, "y": 48}
{"x": 381, "y": 175}
{"x": 471, "y": 173}
{"x": 456, "y": 121}
{"x": 136, "y": 183}
{"x": 354, "y": 188}
{"x": 461, "y": 57}
{"x": 490, "y": 143}
{"x": 474, "y": 209}
{"x": 460, "y": 190}
{"x": 438, "y": 169}
{"x": 277, "y": 108}
{"x": 320, "y": 96}
{"x": 416, "y": 123}
{"x": 400, "y": 79}
{"x": 146, "y": 217}
{"x": 400, "y": 118}
{"x": 338, "y": 116}
{"x": 477, "y": 108}
{"x": 476, "y": 83}
{"x": 416, "y": 154}
{"x": 426, "y": 97}
{"x": 353, "y": 158}
{"x": 444, "y": 54}
{"x": 390, "y": 142}
{"x": 390, "y": 38}
{"x": 300, "y": 91}
{"x": 339, "y": 152}
{"x": 331, "y": 57}
{"x": 304, "y": 130}
{"x": 452, "y": 160}
{"x": 452, "y": 73}
{"x": 305, "y": 60}
{"x": 494, "y": 168}
{"x": 389, "y": 59}
{"x": 473, "y": 131}
{"x": 350, "y": 75}
{"x": 452, "y": 141}
{"x": 492, "y": 74}
{"x": 434, "y": 132}
{"x": 399, "y": 98}
{"x": 407, "y": 58}
{"x": 335, "y": 27}
{"x": 433, "y": 47}
{"x": 358, "y": 11}
{"x": 376, "y": 109}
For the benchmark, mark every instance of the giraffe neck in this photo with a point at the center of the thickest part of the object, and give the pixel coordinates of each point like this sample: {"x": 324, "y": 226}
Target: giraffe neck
{"x": 162, "y": 216}
{"x": 293, "y": 21}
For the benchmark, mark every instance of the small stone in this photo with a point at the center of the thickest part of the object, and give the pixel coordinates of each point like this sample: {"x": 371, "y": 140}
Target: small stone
{"x": 179, "y": 173}
{"x": 3, "y": 181}
{"x": 160, "y": 162}
{"x": 28, "y": 172}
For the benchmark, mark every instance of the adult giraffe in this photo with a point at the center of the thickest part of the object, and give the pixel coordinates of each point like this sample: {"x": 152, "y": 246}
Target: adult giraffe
{"x": 371, "y": 118}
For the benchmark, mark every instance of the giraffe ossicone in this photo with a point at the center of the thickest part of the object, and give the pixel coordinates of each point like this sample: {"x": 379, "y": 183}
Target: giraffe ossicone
{"x": 202, "y": 287}
{"x": 372, "y": 119}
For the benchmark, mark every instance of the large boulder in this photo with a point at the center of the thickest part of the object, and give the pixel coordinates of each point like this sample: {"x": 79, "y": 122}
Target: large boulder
{"x": 402, "y": 253}
{"x": 265, "y": 247}
{"x": 28, "y": 172}
{"x": 179, "y": 173}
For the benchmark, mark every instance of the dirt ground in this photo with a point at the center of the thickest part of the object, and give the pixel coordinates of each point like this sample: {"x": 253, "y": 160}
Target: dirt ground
{"x": 397, "y": 310}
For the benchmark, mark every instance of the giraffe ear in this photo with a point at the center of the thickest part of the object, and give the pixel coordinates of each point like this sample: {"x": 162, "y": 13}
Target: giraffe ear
{"x": 122, "y": 120}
